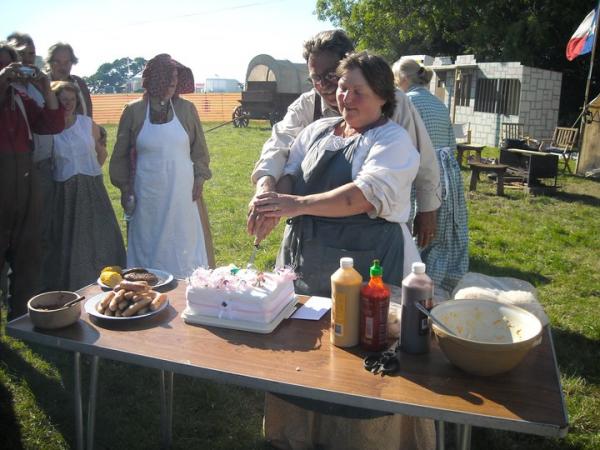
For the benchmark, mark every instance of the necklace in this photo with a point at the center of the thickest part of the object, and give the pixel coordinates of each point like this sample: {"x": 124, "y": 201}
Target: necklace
{"x": 160, "y": 114}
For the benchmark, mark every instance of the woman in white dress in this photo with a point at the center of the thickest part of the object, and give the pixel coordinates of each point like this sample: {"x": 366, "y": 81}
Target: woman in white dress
{"x": 160, "y": 163}
{"x": 84, "y": 231}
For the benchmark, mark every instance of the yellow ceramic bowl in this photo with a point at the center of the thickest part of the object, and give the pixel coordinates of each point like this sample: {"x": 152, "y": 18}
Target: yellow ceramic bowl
{"x": 489, "y": 337}
{"x": 57, "y": 317}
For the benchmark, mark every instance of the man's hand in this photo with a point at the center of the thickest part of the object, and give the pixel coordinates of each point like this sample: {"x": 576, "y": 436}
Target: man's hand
{"x": 424, "y": 227}
{"x": 126, "y": 202}
{"x": 257, "y": 224}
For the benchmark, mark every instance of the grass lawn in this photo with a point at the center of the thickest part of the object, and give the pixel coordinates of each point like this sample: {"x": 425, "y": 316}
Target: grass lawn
{"x": 550, "y": 241}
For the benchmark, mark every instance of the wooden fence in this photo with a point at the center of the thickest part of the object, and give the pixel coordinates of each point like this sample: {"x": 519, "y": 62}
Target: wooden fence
{"x": 211, "y": 107}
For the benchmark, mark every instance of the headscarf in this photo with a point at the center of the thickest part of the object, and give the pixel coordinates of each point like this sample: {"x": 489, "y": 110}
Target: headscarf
{"x": 156, "y": 76}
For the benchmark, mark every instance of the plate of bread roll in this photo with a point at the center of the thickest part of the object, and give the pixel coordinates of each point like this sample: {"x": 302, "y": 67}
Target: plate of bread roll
{"x": 126, "y": 301}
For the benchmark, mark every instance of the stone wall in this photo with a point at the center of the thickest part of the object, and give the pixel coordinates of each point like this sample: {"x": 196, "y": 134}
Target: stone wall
{"x": 540, "y": 101}
{"x": 538, "y": 106}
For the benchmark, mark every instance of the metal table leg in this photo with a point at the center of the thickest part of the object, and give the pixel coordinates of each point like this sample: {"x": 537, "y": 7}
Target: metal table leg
{"x": 440, "y": 426}
{"x": 91, "y": 418}
{"x": 463, "y": 437}
{"x": 77, "y": 395}
{"x": 166, "y": 408}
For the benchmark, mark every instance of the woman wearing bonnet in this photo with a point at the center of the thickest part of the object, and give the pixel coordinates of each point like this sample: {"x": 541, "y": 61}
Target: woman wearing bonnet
{"x": 160, "y": 163}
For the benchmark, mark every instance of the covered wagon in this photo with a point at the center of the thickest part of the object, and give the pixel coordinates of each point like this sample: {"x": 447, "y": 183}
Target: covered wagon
{"x": 271, "y": 85}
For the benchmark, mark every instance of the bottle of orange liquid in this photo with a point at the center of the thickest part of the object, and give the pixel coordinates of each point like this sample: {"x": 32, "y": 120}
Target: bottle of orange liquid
{"x": 345, "y": 298}
{"x": 374, "y": 306}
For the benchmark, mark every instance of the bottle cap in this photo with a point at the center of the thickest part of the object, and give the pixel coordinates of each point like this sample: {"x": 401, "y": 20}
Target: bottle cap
{"x": 418, "y": 267}
{"x": 376, "y": 270}
{"x": 346, "y": 262}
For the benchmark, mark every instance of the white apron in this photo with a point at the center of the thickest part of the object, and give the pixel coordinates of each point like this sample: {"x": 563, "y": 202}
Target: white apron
{"x": 165, "y": 231}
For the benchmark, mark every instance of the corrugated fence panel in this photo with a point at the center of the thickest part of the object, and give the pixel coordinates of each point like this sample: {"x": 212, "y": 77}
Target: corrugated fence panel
{"x": 214, "y": 107}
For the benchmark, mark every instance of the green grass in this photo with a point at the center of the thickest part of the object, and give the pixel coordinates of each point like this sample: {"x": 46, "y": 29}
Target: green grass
{"x": 550, "y": 241}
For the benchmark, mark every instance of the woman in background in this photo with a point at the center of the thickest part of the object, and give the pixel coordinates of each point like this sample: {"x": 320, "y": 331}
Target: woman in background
{"x": 59, "y": 62}
{"x": 85, "y": 233}
{"x": 447, "y": 256}
{"x": 168, "y": 229}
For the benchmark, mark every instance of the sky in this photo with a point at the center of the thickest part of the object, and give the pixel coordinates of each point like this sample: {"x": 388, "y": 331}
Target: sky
{"x": 216, "y": 39}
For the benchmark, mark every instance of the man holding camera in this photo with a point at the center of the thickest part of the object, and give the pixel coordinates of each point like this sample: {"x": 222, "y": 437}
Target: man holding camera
{"x": 42, "y": 152}
{"x": 20, "y": 117}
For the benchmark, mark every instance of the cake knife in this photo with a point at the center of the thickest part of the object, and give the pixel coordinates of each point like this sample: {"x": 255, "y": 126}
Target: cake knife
{"x": 250, "y": 264}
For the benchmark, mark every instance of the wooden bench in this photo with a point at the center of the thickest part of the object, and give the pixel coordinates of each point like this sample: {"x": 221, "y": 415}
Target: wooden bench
{"x": 461, "y": 149}
{"x": 498, "y": 169}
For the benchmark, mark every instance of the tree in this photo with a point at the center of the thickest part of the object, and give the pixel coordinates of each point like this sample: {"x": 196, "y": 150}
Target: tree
{"x": 112, "y": 77}
{"x": 533, "y": 32}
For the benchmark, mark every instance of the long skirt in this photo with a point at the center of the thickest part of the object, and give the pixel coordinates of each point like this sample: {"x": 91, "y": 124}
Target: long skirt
{"x": 86, "y": 234}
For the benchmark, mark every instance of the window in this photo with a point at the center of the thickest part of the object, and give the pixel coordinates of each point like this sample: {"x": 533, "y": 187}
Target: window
{"x": 463, "y": 90}
{"x": 500, "y": 96}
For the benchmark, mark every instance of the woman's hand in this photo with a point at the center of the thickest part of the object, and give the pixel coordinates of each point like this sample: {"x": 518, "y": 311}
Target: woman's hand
{"x": 100, "y": 143}
{"x": 424, "y": 227}
{"x": 257, "y": 224}
{"x": 197, "y": 189}
{"x": 272, "y": 204}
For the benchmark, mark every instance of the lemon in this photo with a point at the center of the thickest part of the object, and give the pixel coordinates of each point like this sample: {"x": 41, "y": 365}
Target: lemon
{"x": 110, "y": 278}
{"x": 112, "y": 269}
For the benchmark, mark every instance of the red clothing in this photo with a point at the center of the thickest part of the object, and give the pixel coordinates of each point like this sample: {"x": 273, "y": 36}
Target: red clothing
{"x": 14, "y": 135}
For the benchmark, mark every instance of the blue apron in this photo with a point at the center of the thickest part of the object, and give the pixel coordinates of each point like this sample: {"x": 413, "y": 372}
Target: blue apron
{"x": 313, "y": 245}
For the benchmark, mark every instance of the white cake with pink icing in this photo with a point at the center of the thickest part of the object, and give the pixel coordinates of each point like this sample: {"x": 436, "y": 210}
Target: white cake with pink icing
{"x": 230, "y": 294}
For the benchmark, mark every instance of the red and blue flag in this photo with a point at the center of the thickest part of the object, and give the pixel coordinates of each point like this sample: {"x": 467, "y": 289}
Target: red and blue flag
{"x": 582, "y": 41}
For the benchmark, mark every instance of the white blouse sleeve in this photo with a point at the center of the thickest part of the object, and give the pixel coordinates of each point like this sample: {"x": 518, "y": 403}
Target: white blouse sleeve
{"x": 297, "y": 153}
{"x": 389, "y": 167}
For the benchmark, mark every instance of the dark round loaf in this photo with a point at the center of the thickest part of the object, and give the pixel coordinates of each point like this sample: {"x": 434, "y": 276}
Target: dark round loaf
{"x": 150, "y": 278}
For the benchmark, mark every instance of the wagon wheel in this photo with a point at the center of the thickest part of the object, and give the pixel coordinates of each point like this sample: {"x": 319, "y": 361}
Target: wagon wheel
{"x": 240, "y": 117}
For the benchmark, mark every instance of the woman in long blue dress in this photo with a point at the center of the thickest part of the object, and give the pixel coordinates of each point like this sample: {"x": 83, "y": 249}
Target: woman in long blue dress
{"x": 447, "y": 257}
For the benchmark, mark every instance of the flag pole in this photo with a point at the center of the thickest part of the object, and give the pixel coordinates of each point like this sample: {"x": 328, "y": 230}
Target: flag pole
{"x": 587, "y": 87}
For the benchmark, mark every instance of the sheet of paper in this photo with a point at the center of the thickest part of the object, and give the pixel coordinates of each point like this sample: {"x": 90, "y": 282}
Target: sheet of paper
{"x": 313, "y": 309}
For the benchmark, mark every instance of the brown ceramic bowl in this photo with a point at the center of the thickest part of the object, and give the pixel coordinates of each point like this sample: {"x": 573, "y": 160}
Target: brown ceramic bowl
{"x": 490, "y": 337}
{"x": 46, "y": 310}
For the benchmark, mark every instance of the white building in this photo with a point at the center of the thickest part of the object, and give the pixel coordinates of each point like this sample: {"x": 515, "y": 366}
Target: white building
{"x": 485, "y": 95}
{"x": 222, "y": 85}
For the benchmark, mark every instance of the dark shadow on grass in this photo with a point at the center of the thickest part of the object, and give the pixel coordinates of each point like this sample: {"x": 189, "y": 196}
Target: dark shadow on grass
{"x": 584, "y": 199}
{"x": 10, "y": 437}
{"x": 577, "y": 355}
{"x": 481, "y": 265}
{"x": 50, "y": 396}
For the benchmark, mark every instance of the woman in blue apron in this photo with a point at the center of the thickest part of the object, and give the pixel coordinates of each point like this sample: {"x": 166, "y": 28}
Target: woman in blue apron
{"x": 447, "y": 255}
{"x": 349, "y": 182}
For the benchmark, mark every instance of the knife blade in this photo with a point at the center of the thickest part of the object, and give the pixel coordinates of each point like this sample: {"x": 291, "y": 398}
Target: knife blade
{"x": 250, "y": 264}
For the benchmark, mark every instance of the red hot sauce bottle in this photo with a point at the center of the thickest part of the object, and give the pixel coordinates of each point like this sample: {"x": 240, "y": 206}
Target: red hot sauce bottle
{"x": 374, "y": 306}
